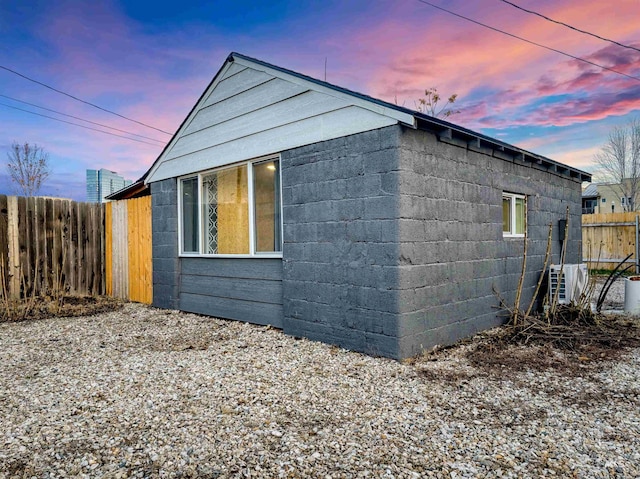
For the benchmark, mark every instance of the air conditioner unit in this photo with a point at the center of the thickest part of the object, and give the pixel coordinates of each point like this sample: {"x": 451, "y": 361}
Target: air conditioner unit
{"x": 572, "y": 284}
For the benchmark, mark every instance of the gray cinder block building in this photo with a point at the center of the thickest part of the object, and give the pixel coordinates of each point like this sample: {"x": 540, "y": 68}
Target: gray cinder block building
{"x": 288, "y": 201}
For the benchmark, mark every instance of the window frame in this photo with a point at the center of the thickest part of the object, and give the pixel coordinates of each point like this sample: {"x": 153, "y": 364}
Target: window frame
{"x": 512, "y": 214}
{"x": 251, "y": 213}
{"x": 181, "y": 217}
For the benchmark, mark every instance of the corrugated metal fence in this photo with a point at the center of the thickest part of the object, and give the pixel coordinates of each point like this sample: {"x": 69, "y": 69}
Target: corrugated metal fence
{"x": 609, "y": 237}
{"x": 128, "y": 254}
{"x": 48, "y": 244}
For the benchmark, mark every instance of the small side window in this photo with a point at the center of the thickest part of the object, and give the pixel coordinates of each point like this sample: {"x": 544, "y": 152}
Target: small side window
{"x": 506, "y": 214}
{"x": 513, "y": 214}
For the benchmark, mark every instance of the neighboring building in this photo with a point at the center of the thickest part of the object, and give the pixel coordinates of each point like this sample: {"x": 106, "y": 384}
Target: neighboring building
{"x": 101, "y": 183}
{"x": 288, "y": 201}
{"x": 590, "y": 199}
{"x": 607, "y": 198}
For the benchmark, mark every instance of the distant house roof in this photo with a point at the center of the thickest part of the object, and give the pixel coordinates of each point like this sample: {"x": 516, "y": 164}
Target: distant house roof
{"x": 590, "y": 191}
{"x": 444, "y": 130}
{"x": 134, "y": 190}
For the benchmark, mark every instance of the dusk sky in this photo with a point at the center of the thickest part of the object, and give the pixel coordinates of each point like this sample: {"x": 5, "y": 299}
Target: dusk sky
{"x": 151, "y": 61}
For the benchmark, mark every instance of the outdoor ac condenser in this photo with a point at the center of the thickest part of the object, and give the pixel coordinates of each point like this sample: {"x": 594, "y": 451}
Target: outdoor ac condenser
{"x": 574, "y": 281}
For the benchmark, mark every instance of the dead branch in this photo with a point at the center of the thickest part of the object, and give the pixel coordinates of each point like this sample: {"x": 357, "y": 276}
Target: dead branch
{"x": 554, "y": 302}
{"x": 516, "y": 308}
{"x": 547, "y": 256}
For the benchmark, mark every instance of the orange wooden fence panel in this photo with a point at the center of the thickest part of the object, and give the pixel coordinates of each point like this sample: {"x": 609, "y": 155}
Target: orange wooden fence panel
{"x": 607, "y": 238}
{"x": 139, "y": 246}
{"x": 129, "y": 255}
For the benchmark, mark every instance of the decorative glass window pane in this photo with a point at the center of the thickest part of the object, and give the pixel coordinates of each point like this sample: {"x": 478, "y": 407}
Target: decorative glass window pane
{"x": 506, "y": 214}
{"x": 266, "y": 197}
{"x": 226, "y": 211}
{"x": 190, "y": 243}
{"x": 519, "y": 216}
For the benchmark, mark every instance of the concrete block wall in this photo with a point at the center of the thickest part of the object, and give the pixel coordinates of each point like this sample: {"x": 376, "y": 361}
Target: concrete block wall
{"x": 393, "y": 240}
{"x": 164, "y": 201}
{"x": 340, "y": 252}
{"x": 452, "y": 253}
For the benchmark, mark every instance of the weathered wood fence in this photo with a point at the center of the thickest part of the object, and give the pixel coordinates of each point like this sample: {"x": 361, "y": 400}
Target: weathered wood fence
{"x": 47, "y": 244}
{"x": 607, "y": 238}
{"x": 128, "y": 254}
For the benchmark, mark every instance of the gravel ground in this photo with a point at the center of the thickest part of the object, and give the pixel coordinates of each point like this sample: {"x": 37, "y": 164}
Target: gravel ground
{"x": 142, "y": 392}
{"x": 614, "y": 300}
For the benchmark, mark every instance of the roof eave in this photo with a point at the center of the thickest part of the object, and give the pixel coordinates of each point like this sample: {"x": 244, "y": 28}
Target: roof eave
{"x": 173, "y": 139}
{"x": 139, "y": 188}
{"x": 450, "y": 133}
{"x": 444, "y": 130}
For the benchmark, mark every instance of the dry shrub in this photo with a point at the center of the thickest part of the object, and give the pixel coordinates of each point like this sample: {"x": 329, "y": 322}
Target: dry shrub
{"x": 51, "y": 301}
{"x": 65, "y": 306}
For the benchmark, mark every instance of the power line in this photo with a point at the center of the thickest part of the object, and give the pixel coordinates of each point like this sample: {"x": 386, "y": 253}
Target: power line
{"x": 530, "y": 41}
{"x": 82, "y": 101}
{"x": 571, "y": 27}
{"x": 76, "y": 124}
{"x": 82, "y": 119}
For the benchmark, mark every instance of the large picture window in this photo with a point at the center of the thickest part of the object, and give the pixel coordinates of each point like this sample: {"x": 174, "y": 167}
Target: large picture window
{"x": 233, "y": 210}
{"x": 513, "y": 214}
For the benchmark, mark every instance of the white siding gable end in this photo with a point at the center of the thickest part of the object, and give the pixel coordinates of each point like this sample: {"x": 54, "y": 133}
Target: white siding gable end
{"x": 252, "y": 110}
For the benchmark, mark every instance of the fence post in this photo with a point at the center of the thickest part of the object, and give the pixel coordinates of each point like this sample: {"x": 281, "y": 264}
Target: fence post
{"x": 637, "y": 248}
{"x": 14, "y": 247}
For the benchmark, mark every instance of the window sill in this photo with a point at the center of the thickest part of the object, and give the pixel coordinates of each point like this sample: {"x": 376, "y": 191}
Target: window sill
{"x": 239, "y": 256}
{"x": 510, "y": 236}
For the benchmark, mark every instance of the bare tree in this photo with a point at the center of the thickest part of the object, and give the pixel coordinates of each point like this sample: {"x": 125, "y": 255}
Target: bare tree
{"x": 28, "y": 167}
{"x": 619, "y": 162}
{"x": 429, "y": 104}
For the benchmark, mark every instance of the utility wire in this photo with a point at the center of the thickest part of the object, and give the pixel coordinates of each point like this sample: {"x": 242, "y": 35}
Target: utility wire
{"x": 81, "y": 126}
{"x": 82, "y": 119}
{"x": 82, "y": 101}
{"x": 530, "y": 41}
{"x": 570, "y": 26}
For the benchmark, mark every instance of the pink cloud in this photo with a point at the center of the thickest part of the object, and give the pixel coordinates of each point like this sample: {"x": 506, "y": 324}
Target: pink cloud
{"x": 578, "y": 158}
{"x": 116, "y": 66}
{"x": 392, "y": 50}
{"x": 480, "y": 62}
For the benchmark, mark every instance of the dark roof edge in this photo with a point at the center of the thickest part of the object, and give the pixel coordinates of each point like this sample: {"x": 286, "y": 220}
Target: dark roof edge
{"x": 337, "y": 88}
{"x": 448, "y": 132}
{"x": 435, "y": 123}
{"x": 215, "y": 77}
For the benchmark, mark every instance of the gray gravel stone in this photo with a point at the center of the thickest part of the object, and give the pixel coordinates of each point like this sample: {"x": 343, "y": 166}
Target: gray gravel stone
{"x": 151, "y": 393}
{"x": 614, "y": 300}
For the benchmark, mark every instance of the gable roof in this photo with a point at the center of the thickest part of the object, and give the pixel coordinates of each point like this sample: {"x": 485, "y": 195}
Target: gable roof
{"x": 381, "y": 113}
{"x": 591, "y": 190}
